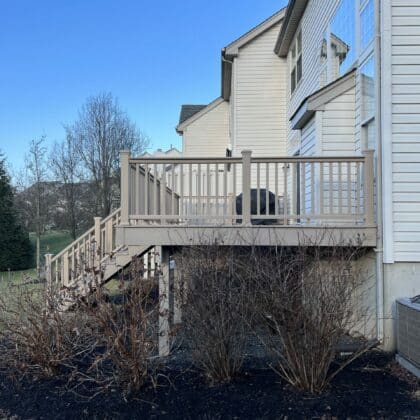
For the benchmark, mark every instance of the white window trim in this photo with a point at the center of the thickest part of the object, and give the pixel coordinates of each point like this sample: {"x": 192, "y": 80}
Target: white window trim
{"x": 293, "y": 62}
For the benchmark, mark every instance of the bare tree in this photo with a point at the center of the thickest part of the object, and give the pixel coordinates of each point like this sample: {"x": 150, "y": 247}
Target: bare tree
{"x": 100, "y": 132}
{"x": 66, "y": 166}
{"x": 36, "y": 168}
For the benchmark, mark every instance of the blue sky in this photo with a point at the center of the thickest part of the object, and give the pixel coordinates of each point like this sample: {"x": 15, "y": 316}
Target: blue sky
{"x": 152, "y": 55}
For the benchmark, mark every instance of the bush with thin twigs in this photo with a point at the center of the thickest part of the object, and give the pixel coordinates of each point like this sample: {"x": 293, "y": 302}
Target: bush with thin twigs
{"x": 126, "y": 335}
{"x": 214, "y": 308}
{"x": 36, "y": 338}
{"x": 305, "y": 302}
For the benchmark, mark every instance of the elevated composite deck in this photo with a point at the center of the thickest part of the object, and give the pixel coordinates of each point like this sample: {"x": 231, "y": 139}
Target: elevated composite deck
{"x": 169, "y": 202}
{"x": 172, "y": 202}
{"x": 194, "y": 201}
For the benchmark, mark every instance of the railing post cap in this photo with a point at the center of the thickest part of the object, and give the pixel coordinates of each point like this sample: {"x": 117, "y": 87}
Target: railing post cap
{"x": 125, "y": 152}
{"x": 246, "y": 152}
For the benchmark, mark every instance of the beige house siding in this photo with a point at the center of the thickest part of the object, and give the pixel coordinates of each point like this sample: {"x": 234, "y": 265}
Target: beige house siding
{"x": 406, "y": 129}
{"x": 208, "y": 135}
{"x": 259, "y": 97}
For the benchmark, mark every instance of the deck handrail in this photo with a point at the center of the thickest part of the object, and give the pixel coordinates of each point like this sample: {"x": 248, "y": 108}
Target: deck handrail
{"x": 310, "y": 187}
{"x": 213, "y": 160}
{"x": 84, "y": 235}
{"x": 66, "y": 265}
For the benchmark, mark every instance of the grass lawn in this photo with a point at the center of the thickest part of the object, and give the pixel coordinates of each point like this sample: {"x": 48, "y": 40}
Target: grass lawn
{"x": 52, "y": 242}
{"x": 16, "y": 277}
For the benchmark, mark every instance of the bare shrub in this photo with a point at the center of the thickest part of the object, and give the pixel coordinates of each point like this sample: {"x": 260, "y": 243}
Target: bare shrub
{"x": 215, "y": 296}
{"x": 126, "y": 336}
{"x": 35, "y": 337}
{"x": 305, "y": 302}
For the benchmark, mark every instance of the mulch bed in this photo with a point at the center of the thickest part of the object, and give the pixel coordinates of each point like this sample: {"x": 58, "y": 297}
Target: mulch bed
{"x": 372, "y": 387}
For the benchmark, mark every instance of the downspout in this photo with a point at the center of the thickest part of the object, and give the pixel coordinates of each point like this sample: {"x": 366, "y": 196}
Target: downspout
{"x": 379, "y": 203}
{"x": 232, "y": 113}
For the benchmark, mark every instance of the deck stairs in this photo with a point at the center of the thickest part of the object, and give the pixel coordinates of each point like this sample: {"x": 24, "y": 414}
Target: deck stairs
{"x": 90, "y": 261}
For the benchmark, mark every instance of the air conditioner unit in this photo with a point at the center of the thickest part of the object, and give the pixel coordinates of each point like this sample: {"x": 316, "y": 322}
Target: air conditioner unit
{"x": 408, "y": 326}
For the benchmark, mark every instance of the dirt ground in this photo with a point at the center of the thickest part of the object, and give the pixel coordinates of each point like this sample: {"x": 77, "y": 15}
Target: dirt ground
{"x": 372, "y": 387}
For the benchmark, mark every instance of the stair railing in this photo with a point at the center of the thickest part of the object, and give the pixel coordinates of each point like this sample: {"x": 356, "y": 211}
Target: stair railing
{"x": 85, "y": 254}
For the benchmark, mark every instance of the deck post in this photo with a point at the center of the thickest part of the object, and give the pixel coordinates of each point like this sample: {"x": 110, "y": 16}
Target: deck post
{"x": 178, "y": 293}
{"x": 246, "y": 187}
{"x": 368, "y": 187}
{"x": 48, "y": 269}
{"x": 125, "y": 187}
{"x": 164, "y": 302}
{"x": 98, "y": 250}
{"x": 65, "y": 267}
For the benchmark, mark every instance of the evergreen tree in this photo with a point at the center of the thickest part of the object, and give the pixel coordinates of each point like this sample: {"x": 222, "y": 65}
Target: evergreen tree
{"x": 16, "y": 252}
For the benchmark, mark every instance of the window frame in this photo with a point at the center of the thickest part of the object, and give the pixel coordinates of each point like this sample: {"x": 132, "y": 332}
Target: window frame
{"x": 363, "y": 4}
{"x": 296, "y": 62}
{"x": 367, "y": 120}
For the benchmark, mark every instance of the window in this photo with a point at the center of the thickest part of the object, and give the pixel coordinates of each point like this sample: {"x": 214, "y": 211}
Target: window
{"x": 296, "y": 62}
{"x": 367, "y": 75}
{"x": 343, "y": 38}
{"x": 367, "y": 24}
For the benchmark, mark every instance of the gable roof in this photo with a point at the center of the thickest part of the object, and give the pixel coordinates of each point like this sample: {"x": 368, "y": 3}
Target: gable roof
{"x": 318, "y": 99}
{"x": 187, "y": 111}
{"x": 197, "y": 114}
{"x": 232, "y": 50}
{"x": 295, "y": 10}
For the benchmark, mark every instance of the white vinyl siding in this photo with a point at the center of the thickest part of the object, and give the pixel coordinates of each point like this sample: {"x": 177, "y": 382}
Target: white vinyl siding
{"x": 258, "y": 105}
{"x": 208, "y": 136}
{"x": 313, "y": 24}
{"x": 259, "y": 97}
{"x": 308, "y": 138}
{"x": 338, "y": 126}
{"x": 406, "y": 129}
{"x": 308, "y": 147}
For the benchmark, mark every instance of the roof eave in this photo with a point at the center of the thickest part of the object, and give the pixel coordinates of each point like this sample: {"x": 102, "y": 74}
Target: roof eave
{"x": 295, "y": 10}
{"x": 318, "y": 99}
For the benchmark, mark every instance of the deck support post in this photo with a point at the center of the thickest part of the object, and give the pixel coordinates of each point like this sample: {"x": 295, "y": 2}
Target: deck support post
{"x": 368, "y": 187}
{"x": 125, "y": 187}
{"x": 246, "y": 187}
{"x": 164, "y": 302}
{"x": 178, "y": 293}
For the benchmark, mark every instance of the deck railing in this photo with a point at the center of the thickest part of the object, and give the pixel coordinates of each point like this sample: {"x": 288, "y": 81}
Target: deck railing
{"x": 222, "y": 191}
{"x": 85, "y": 254}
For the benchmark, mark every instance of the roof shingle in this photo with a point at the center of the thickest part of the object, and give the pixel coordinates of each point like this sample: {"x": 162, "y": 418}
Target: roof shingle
{"x": 187, "y": 111}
